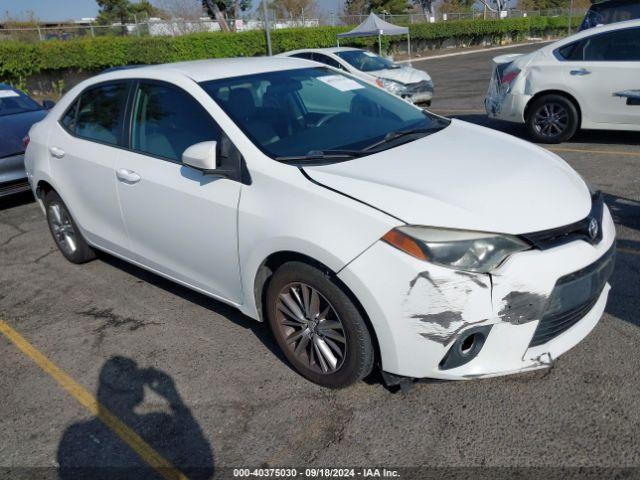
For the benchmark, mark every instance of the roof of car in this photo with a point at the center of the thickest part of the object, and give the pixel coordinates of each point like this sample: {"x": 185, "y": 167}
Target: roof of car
{"x": 212, "y": 69}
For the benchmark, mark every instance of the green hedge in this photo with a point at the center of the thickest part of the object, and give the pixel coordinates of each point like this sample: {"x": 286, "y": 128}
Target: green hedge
{"x": 19, "y": 60}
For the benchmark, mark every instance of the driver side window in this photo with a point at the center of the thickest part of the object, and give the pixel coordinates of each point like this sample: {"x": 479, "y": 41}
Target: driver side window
{"x": 167, "y": 120}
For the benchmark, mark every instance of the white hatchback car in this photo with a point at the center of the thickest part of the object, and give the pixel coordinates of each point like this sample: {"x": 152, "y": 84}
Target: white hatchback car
{"x": 402, "y": 80}
{"x": 363, "y": 229}
{"x": 590, "y": 80}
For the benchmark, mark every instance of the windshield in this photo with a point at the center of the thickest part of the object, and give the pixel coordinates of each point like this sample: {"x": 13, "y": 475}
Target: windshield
{"x": 366, "y": 61}
{"x": 13, "y": 101}
{"x": 295, "y": 112}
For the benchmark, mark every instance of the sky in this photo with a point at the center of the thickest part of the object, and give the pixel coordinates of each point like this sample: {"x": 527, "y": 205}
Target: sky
{"x": 48, "y": 10}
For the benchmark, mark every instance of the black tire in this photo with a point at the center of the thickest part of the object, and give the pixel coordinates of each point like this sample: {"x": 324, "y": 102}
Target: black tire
{"x": 357, "y": 359}
{"x": 82, "y": 252}
{"x": 552, "y": 118}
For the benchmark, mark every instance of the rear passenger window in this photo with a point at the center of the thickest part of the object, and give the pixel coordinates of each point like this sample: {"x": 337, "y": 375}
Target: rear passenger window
{"x": 100, "y": 114}
{"x": 618, "y": 46}
{"x": 167, "y": 120}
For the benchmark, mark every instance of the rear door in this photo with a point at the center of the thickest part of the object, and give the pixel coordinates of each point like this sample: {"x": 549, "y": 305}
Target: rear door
{"x": 604, "y": 72}
{"x": 181, "y": 222}
{"x": 83, "y": 148}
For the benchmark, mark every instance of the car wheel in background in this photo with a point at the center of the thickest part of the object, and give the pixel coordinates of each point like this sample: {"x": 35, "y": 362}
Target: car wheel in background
{"x": 64, "y": 230}
{"x": 317, "y": 326}
{"x": 552, "y": 119}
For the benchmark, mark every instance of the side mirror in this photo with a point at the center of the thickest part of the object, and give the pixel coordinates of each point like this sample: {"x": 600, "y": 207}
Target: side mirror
{"x": 48, "y": 104}
{"x": 201, "y": 156}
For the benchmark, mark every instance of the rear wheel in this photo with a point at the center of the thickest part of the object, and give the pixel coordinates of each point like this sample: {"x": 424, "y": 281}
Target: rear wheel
{"x": 317, "y": 326}
{"x": 552, "y": 119}
{"x": 64, "y": 230}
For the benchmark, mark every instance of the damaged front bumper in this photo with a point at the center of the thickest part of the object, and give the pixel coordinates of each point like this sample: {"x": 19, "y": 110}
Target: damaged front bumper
{"x": 420, "y": 311}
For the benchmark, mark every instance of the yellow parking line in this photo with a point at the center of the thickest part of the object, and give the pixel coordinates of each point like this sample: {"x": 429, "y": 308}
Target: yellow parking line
{"x": 599, "y": 152}
{"x": 82, "y": 395}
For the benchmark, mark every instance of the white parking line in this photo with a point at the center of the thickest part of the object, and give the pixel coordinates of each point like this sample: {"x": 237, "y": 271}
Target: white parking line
{"x": 476, "y": 50}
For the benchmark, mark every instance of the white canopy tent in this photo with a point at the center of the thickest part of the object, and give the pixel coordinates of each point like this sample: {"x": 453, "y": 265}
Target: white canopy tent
{"x": 374, "y": 26}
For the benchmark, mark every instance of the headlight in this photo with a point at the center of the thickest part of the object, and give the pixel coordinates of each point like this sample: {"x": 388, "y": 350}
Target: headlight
{"x": 392, "y": 86}
{"x": 460, "y": 249}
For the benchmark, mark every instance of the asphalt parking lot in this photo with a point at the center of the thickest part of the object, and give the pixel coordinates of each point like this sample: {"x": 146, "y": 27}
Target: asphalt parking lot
{"x": 206, "y": 387}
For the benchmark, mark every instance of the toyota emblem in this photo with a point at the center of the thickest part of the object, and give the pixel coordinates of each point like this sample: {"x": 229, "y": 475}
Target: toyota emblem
{"x": 593, "y": 229}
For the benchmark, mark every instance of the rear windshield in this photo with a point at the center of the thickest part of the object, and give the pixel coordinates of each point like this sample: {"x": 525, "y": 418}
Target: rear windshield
{"x": 366, "y": 61}
{"x": 13, "y": 101}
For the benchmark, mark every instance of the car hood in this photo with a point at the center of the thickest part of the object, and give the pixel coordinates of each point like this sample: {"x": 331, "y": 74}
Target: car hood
{"x": 404, "y": 75}
{"x": 14, "y": 128}
{"x": 465, "y": 177}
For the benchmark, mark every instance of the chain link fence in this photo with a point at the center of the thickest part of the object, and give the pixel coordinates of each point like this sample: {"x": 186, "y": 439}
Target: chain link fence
{"x": 175, "y": 27}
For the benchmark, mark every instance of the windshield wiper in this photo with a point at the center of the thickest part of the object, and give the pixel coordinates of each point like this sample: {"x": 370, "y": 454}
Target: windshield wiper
{"x": 316, "y": 156}
{"x": 391, "y": 136}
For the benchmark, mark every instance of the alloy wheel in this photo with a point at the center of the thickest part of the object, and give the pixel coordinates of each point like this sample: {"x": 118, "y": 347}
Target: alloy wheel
{"x": 551, "y": 120}
{"x": 62, "y": 228}
{"x": 311, "y": 328}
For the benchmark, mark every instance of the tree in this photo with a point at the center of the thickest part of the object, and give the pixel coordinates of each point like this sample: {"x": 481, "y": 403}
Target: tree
{"x": 113, "y": 11}
{"x": 356, "y": 7}
{"x": 456, "y": 6}
{"x": 293, "y": 8}
{"x": 144, "y": 7}
{"x": 218, "y": 9}
{"x": 388, "y": 6}
{"x": 495, "y": 5}
{"x": 183, "y": 16}
{"x": 427, "y": 6}
{"x": 122, "y": 10}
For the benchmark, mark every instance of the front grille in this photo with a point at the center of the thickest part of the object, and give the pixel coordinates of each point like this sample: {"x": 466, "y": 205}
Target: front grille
{"x": 573, "y": 296}
{"x": 554, "y": 237}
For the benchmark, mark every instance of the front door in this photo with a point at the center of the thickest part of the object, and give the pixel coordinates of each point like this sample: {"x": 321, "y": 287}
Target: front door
{"x": 181, "y": 222}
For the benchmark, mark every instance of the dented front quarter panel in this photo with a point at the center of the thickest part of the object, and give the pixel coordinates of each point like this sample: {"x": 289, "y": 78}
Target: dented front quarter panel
{"x": 416, "y": 308}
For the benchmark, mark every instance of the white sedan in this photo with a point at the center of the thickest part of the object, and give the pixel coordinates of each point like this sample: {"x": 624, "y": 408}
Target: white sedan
{"x": 590, "y": 80}
{"x": 364, "y": 230}
{"x": 402, "y": 80}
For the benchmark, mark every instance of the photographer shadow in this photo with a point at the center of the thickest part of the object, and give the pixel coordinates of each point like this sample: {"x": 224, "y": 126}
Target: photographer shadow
{"x": 91, "y": 450}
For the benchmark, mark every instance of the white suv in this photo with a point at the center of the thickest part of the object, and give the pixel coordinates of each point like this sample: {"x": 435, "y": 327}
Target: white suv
{"x": 363, "y": 229}
{"x": 590, "y": 80}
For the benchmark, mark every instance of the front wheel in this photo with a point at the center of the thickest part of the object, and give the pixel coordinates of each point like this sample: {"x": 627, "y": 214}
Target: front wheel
{"x": 318, "y": 328}
{"x": 552, "y": 119}
{"x": 65, "y": 232}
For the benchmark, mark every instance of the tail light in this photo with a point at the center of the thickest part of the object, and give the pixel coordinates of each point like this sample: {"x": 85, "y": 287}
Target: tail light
{"x": 510, "y": 76}
{"x": 25, "y": 141}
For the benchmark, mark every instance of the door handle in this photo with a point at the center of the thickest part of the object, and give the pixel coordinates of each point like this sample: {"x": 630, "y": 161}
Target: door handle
{"x": 56, "y": 152}
{"x": 127, "y": 176}
{"x": 580, "y": 71}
